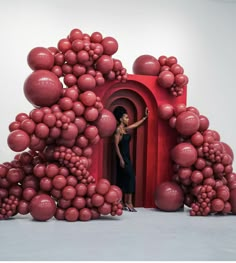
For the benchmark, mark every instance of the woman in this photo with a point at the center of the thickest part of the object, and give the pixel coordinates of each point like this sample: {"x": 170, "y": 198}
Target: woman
{"x": 125, "y": 172}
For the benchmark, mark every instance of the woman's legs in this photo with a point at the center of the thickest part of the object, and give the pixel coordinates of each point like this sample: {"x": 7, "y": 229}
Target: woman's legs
{"x": 129, "y": 203}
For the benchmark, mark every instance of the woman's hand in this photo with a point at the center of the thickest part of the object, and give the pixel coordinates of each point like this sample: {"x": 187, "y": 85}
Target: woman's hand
{"x": 122, "y": 163}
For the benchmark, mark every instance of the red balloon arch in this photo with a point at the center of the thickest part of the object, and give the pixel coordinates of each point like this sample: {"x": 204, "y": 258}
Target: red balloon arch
{"x": 50, "y": 174}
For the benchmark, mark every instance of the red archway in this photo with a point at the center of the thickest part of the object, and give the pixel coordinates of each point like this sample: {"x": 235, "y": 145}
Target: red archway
{"x": 151, "y": 143}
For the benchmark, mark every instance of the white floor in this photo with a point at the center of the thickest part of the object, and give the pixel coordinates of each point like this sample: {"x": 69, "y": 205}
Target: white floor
{"x": 146, "y": 235}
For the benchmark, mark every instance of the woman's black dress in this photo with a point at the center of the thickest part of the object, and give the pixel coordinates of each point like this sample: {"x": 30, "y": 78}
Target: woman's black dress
{"x": 125, "y": 176}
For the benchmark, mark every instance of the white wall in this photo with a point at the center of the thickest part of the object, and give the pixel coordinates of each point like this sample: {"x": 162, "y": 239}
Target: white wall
{"x": 200, "y": 33}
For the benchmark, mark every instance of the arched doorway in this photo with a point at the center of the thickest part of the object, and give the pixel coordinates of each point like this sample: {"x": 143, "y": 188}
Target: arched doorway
{"x": 151, "y": 143}
{"x": 135, "y": 106}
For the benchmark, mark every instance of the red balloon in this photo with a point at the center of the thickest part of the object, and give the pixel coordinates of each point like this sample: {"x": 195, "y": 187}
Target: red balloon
{"x": 91, "y": 114}
{"x": 105, "y": 209}
{"x": 111, "y": 196}
{"x": 41, "y": 130}
{"x": 60, "y": 214}
{"x": 64, "y": 45}
{"x": 184, "y": 154}
{"x": 79, "y": 202}
{"x": 197, "y": 139}
{"x": 23, "y": 207}
{"x": 46, "y": 184}
{"x": 70, "y": 133}
{"x": 85, "y": 214}
{"x": 204, "y": 123}
{"x": 59, "y": 182}
{"x": 166, "y": 111}
{"x": 81, "y": 189}
{"x": 15, "y": 175}
{"x": 88, "y": 98}
{"x": 18, "y": 140}
{"x": 75, "y": 34}
{"x": 146, "y": 65}
{"x": 187, "y": 123}
{"x": 86, "y": 82}
{"x": 42, "y": 88}
{"x": 176, "y": 69}
{"x": 69, "y": 192}
{"x": 97, "y": 200}
{"x": 166, "y": 79}
{"x": 169, "y": 196}
{"x": 104, "y": 64}
{"x": 71, "y": 214}
{"x": 110, "y": 45}
{"x": 42, "y": 207}
{"x": 217, "y": 205}
{"x": 28, "y": 126}
{"x": 40, "y": 58}
{"x": 227, "y": 149}
{"x": 106, "y": 123}
{"x": 91, "y": 132}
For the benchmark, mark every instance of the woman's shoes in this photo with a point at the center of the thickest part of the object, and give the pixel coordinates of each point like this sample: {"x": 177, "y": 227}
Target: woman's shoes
{"x": 130, "y": 207}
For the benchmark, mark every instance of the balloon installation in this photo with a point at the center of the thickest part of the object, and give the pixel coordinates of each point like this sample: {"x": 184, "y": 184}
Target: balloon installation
{"x": 49, "y": 176}
{"x": 202, "y": 166}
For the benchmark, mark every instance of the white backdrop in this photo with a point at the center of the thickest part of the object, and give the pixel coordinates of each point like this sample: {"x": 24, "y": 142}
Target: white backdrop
{"x": 201, "y": 34}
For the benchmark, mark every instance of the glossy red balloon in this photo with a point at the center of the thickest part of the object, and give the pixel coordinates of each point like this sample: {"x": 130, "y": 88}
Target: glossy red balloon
{"x": 169, "y": 196}
{"x": 42, "y": 88}
{"x": 187, "y": 123}
{"x": 18, "y": 140}
{"x": 40, "y": 58}
{"x": 166, "y": 111}
{"x": 106, "y": 123}
{"x": 110, "y": 45}
{"x": 184, "y": 154}
{"x": 146, "y": 65}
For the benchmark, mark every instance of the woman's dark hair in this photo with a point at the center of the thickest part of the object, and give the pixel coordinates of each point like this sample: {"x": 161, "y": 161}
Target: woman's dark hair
{"x": 119, "y": 112}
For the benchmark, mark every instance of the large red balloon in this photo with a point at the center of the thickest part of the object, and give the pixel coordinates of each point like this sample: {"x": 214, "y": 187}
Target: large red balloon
{"x": 166, "y": 79}
{"x": 42, "y": 207}
{"x": 106, "y": 123}
{"x": 42, "y": 88}
{"x": 146, "y": 65}
{"x": 40, "y": 58}
{"x": 169, "y": 196}
{"x": 187, "y": 123}
{"x": 184, "y": 154}
{"x": 110, "y": 45}
{"x": 18, "y": 140}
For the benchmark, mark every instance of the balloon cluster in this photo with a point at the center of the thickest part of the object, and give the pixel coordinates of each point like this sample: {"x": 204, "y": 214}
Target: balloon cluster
{"x": 170, "y": 74}
{"x": 202, "y": 163}
{"x": 52, "y": 177}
